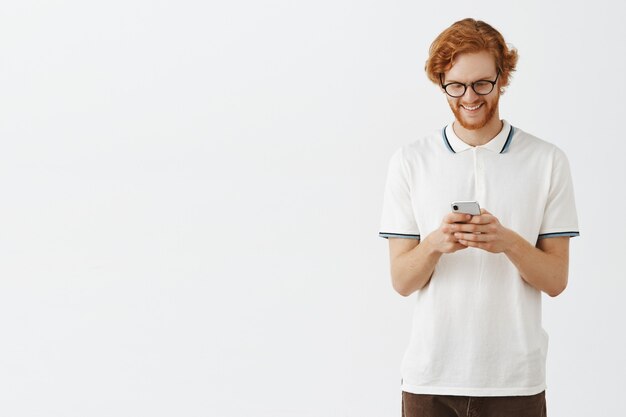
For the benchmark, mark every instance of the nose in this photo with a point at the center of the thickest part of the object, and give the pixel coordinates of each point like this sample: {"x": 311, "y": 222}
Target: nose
{"x": 470, "y": 94}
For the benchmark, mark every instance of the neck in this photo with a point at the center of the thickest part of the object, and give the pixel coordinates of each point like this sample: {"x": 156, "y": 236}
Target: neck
{"x": 477, "y": 137}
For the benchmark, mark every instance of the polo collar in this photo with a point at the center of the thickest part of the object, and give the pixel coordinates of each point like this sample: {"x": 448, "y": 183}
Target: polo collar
{"x": 499, "y": 144}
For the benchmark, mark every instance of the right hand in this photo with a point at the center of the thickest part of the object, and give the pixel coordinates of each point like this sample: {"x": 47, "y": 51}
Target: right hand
{"x": 442, "y": 239}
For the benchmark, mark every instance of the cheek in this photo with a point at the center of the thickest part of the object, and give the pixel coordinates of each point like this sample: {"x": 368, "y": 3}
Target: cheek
{"x": 494, "y": 100}
{"x": 451, "y": 101}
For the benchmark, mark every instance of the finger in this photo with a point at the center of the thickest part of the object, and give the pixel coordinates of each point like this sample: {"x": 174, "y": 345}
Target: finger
{"x": 457, "y": 246}
{"x": 456, "y": 218}
{"x": 483, "y": 212}
{"x": 473, "y": 237}
{"x": 485, "y": 218}
{"x": 471, "y": 244}
{"x": 470, "y": 228}
{"x": 468, "y": 237}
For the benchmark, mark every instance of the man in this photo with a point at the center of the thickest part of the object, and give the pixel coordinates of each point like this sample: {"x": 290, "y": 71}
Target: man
{"x": 477, "y": 346}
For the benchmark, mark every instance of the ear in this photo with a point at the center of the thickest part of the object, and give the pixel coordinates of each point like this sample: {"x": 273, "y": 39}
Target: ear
{"x": 499, "y": 85}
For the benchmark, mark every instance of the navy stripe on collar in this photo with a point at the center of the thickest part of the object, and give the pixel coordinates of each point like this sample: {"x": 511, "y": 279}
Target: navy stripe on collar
{"x": 508, "y": 140}
{"x": 445, "y": 140}
{"x": 507, "y": 143}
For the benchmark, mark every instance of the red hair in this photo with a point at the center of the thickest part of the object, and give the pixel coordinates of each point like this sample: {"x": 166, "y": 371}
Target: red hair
{"x": 469, "y": 35}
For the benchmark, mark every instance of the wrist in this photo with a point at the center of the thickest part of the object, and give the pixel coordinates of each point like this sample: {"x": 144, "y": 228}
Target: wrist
{"x": 429, "y": 248}
{"x": 514, "y": 243}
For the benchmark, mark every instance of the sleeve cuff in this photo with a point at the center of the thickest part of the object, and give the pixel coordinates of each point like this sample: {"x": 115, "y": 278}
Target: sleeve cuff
{"x": 558, "y": 234}
{"x": 387, "y": 235}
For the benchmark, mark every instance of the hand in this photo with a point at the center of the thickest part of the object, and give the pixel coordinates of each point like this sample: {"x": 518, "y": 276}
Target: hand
{"x": 442, "y": 239}
{"x": 484, "y": 232}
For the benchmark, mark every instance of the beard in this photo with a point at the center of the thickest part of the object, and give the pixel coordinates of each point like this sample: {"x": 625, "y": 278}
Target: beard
{"x": 489, "y": 111}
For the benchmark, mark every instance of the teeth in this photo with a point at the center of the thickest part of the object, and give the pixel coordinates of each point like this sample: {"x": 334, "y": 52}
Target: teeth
{"x": 472, "y": 108}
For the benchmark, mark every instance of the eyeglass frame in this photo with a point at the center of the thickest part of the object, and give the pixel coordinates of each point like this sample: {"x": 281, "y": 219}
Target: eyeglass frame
{"x": 493, "y": 84}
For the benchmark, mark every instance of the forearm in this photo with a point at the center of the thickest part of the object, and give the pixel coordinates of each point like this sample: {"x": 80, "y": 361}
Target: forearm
{"x": 544, "y": 271}
{"x": 412, "y": 270}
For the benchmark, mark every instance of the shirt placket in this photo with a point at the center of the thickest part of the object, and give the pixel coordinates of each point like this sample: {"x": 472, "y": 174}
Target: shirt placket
{"x": 479, "y": 175}
{"x": 480, "y": 193}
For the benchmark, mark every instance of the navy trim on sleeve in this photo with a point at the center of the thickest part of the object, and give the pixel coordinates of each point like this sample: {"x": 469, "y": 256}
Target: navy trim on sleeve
{"x": 570, "y": 234}
{"x": 401, "y": 235}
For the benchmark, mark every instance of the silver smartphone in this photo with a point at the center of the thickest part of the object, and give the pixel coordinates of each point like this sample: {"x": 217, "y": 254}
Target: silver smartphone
{"x": 467, "y": 207}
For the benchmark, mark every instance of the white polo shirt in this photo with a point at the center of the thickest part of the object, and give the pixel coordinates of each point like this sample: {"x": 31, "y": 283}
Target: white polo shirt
{"x": 477, "y": 324}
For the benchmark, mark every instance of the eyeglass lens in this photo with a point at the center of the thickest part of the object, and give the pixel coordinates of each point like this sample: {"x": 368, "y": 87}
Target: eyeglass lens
{"x": 480, "y": 87}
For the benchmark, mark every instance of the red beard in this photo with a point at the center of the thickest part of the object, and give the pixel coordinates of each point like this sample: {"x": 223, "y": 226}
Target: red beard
{"x": 488, "y": 111}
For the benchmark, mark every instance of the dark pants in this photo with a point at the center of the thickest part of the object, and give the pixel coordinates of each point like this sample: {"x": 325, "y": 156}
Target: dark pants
{"x": 424, "y": 405}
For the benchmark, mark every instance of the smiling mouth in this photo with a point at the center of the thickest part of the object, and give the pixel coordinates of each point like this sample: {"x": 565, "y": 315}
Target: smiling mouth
{"x": 472, "y": 108}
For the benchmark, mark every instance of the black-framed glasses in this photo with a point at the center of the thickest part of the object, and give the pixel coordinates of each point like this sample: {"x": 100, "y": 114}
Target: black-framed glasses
{"x": 480, "y": 87}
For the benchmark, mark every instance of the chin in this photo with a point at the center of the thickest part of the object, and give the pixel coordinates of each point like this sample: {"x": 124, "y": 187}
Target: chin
{"x": 474, "y": 125}
{"x": 489, "y": 113}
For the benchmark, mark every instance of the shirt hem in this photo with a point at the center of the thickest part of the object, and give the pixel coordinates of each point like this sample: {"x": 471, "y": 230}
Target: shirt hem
{"x": 474, "y": 392}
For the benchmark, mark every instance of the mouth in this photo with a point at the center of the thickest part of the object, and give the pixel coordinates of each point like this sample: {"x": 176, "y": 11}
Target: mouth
{"x": 472, "y": 109}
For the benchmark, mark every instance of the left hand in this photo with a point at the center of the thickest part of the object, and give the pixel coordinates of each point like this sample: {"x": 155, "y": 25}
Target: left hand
{"x": 484, "y": 232}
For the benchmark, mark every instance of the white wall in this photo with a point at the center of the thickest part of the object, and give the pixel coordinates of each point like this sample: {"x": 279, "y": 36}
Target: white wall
{"x": 191, "y": 192}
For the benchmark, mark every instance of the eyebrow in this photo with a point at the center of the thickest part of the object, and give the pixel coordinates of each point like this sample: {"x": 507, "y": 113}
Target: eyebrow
{"x": 454, "y": 81}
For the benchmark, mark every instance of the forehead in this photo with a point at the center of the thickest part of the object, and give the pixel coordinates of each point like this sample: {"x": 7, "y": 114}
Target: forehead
{"x": 472, "y": 66}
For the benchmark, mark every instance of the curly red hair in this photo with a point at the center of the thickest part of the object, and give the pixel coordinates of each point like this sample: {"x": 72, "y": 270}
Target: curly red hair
{"x": 469, "y": 35}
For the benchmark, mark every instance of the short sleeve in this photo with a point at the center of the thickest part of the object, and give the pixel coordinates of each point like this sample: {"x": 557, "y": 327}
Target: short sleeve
{"x": 398, "y": 219}
{"x": 560, "y": 218}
